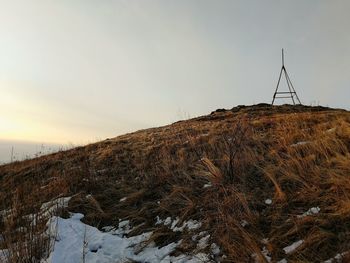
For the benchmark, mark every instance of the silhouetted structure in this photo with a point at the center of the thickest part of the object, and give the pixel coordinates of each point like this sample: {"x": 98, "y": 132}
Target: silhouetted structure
{"x": 285, "y": 94}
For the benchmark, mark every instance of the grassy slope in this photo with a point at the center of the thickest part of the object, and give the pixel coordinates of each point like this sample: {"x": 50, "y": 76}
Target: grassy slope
{"x": 248, "y": 154}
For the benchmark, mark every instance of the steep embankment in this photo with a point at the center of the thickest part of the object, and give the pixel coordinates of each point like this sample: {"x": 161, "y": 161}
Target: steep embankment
{"x": 263, "y": 183}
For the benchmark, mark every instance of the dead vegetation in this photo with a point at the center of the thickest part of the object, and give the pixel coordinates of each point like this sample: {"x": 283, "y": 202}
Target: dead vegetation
{"x": 218, "y": 169}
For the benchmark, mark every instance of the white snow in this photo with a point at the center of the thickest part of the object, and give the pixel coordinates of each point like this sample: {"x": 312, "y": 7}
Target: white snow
{"x": 207, "y": 185}
{"x": 73, "y": 241}
{"x": 289, "y": 249}
{"x": 311, "y": 211}
{"x": 266, "y": 254}
{"x": 123, "y": 228}
{"x": 300, "y": 143}
{"x": 193, "y": 224}
{"x": 215, "y": 249}
{"x": 167, "y": 221}
{"x": 337, "y": 258}
{"x": 268, "y": 201}
{"x": 49, "y": 208}
{"x": 171, "y": 223}
{"x": 198, "y": 258}
{"x": 200, "y": 234}
{"x": 122, "y": 199}
{"x": 190, "y": 225}
{"x": 3, "y": 255}
{"x": 244, "y": 223}
{"x": 203, "y": 242}
{"x": 5, "y": 213}
{"x": 159, "y": 221}
{"x": 76, "y": 241}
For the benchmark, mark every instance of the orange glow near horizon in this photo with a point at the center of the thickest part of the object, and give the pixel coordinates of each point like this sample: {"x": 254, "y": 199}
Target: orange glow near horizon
{"x": 81, "y": 71}
{"x": 22, "y": 120}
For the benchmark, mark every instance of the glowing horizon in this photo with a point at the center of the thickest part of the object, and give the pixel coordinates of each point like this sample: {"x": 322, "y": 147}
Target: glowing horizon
{"x": 81, "y": 71}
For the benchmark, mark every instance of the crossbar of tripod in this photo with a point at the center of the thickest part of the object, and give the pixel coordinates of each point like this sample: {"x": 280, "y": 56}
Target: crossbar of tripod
{"x": 286, "y": 92}
{"x": 291, "y": 97}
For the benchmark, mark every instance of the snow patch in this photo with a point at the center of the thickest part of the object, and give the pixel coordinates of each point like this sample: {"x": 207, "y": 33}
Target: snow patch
{"x": 300, "y": 143}
{"x": 172, "y": 224}
{"x": 311, "y": 211}
{"x": 123, "y": 228}
{"x": 290, "y": 249}
{"x": 75, "y": 240}
{"x": 215, "y": 249}
{"x": 4, "y": 254}
{"x": 193, "y": 224}
{"x": 49, "y": 208}
{"x": 268, "y": 201}
{"x": 122, "y": 199}
{"x": 167, "y": 221}
{"x": 244, "y": 223}
{"x": 207, "y": 185}
{"x": 198, "y": 258}
{"x": 337, "y": 258}
{"x": 203, "y": 242}
{"x": 266, "y": 254}
{"x": 199, "y": 235}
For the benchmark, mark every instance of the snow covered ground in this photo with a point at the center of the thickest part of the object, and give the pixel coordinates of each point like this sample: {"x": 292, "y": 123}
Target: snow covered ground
{"x": 78, "y": 242}
{"x": 290, "y": 249}
{"x": 73, "y": 241}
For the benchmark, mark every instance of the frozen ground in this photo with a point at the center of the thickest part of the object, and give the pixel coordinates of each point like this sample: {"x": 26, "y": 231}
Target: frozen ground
{"x": 78, "y": 242}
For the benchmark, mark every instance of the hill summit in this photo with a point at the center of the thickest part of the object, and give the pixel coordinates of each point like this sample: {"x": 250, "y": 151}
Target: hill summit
{"x": 255, "y": 183}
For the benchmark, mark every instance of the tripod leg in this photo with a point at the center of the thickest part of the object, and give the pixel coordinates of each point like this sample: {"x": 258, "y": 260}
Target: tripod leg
{"x": 296, "y": 95}
{"x": 289, "y": 85}
{"x": 278, "y": 83}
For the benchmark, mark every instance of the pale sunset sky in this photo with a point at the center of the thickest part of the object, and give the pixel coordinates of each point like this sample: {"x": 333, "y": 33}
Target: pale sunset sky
{"x": 84, "y": 70}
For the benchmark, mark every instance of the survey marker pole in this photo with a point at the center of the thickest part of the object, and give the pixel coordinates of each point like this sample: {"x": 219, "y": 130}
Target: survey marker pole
{"x": 291, "y": 93}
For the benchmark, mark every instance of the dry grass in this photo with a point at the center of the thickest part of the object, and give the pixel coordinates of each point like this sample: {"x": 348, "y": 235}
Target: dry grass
{"x": 24, "y": 223}
{"x": 296, "y": 156}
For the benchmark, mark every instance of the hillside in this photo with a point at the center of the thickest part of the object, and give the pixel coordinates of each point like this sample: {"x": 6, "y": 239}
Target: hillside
{"x": 255, "y": 183}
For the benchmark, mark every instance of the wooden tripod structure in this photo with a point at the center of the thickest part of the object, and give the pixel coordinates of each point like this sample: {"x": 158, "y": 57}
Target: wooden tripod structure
{"x": 291, "y": 94}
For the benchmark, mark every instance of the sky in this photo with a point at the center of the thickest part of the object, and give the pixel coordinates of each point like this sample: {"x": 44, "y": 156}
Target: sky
{"x": 78, "y": 71}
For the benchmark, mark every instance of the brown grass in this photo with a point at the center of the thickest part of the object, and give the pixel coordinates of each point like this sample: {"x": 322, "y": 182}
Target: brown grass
{"x": 296, "y": 156}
